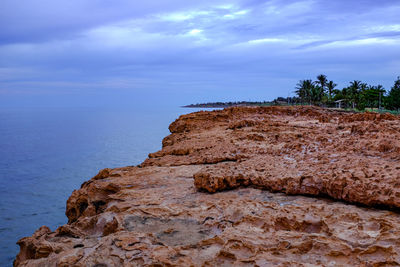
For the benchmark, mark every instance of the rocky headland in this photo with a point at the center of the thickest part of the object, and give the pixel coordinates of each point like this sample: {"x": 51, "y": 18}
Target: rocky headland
{"x": 243, "y": 186}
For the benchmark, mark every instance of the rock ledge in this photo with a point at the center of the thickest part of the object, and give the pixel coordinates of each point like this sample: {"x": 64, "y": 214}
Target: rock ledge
{"x": 242, "y": 186}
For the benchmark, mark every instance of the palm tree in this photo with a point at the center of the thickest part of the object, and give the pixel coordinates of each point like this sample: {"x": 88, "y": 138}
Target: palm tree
{"x": 363, "y": 86}
{"x": 331, "y": 86}
{"x": 355, "y": 84}
{"x": 346, "y": 95}
{"x": 354, "y": 91}
{"x": 393, "y": 98}
{"x": 316, "y": 93}
{"x": 322, "y": 81}
{"x": 380, "y": 88}
{"x": 304, "y": 90}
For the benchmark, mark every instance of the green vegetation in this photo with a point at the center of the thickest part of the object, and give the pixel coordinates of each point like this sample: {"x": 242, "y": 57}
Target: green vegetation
{"x": 357, "y": 95}
{"x": 392, "y": 101}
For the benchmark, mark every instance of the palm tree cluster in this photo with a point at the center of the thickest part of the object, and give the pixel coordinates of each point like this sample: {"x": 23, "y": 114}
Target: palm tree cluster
{"x": 357, "y": 95}
{"x": 315, "y": 92}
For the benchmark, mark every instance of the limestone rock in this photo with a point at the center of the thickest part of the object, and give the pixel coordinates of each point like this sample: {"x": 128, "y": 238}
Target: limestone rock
{"x": 242, "y": 186}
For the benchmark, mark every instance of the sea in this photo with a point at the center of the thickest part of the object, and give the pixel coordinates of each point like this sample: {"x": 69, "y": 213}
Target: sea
{"x": 46, "y": 153}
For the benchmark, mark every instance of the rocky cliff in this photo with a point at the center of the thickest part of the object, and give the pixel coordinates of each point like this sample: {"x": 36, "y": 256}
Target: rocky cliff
{"x": 288, "y": 186}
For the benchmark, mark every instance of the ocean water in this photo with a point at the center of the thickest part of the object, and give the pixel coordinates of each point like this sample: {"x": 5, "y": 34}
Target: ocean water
{"x": 47, "y": 153}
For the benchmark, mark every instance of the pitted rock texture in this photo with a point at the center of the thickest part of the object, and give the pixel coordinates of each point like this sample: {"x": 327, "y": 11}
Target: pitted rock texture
{"x": 161, "y": 213}
{"x": 303, "y": 150}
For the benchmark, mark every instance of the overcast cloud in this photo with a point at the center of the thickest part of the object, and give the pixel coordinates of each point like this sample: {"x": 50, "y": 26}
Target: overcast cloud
{"x": 81, "y": 52}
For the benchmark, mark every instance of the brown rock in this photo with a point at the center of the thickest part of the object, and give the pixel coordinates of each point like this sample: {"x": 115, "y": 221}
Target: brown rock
{"x": 158, "y": 214}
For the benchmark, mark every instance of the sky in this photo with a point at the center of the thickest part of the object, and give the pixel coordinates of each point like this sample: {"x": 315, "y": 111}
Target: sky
{"x": 124, "y": 52}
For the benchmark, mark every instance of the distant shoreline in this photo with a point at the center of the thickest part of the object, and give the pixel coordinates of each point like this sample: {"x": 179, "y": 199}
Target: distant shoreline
{"x": 230, "y": 104}
{"x": 280, "y": 102}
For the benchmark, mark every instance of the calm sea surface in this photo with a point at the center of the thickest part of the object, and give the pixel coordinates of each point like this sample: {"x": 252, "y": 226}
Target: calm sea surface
{"x": 47, "y": 153}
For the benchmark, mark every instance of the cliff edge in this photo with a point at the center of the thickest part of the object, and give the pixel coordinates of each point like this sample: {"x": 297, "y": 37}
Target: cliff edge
{"x": 244, "y": 186}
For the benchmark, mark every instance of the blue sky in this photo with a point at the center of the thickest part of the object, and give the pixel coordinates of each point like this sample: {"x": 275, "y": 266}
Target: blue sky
{"x": 100, "y": 52}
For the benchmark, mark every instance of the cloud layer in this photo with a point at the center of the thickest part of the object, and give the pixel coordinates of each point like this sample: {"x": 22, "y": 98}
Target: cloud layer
{"x": 97, "y": 52}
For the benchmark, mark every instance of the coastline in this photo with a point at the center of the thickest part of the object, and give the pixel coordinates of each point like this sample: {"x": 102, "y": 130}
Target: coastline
{"x": 231, "y": 104}
{"x": 144, "y": 215}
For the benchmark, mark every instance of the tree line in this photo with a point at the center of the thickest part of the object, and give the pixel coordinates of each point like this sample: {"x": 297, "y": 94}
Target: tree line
{"x": 357, "y": 95}
{"x": 228, "y": 104}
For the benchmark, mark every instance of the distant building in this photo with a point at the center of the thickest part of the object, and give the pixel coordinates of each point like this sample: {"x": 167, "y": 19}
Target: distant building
{"x": 339, "y": 103}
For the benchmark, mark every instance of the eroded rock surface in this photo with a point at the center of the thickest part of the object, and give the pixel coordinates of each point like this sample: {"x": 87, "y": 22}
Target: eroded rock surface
{"x": 162, "y": 212}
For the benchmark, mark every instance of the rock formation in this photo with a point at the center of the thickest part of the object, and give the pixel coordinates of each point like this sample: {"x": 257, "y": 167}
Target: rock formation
{"x": 245, "y": 186}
